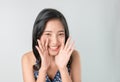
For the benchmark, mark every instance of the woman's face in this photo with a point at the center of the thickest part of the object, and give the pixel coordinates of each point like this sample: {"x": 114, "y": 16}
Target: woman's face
{"x": 55, "y": 33}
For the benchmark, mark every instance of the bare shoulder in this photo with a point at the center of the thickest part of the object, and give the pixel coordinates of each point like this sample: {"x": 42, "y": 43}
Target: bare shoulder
{"x": 28, "y": 57}
{"x": 75, "y": 59}
{"x": 75, "y": 55}
{"x": 27, "y": 61}
{"x": 75, "y": 67}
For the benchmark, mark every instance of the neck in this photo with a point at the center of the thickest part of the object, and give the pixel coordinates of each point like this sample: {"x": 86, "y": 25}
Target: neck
{"x": 52, "y": 59}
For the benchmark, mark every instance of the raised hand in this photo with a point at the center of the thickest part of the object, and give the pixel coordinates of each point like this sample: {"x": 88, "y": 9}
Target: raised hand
{"x": 64, "y": 54}
{"x": 43, "y": 51}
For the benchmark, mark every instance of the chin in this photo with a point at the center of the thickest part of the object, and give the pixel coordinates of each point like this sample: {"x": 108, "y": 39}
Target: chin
{"x": 53, "y": 53}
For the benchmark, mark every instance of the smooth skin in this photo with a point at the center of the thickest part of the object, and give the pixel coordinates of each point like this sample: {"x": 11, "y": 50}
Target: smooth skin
{"x": 54, "y": 55}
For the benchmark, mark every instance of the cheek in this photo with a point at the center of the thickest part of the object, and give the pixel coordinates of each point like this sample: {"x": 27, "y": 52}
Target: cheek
{"x": 62, "y": 40}
{"x": 43, "y": 38}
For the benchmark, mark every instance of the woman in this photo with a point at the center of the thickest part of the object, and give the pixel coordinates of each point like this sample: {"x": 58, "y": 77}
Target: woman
{"x": 53, "y": 58}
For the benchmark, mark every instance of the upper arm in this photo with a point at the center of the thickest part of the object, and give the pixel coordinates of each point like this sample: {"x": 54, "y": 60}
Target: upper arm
{"x": 27, "y": 69}
{"x": 76, "y": 67}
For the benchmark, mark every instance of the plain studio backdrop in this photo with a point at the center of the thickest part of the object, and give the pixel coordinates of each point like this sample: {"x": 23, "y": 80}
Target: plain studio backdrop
{"x": 94, "y": 26}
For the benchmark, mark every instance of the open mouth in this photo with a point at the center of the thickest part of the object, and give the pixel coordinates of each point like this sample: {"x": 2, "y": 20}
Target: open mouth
{"x": 54, "y": 48}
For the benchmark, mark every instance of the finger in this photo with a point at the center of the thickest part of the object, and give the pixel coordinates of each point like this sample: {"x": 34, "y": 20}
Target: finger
{"x": 46, "y": 44}
{"x": 67, "y": 43}
{"x": 40, "y": 52}
{"x": 71, "y": 50}
{"x": 62, "y": 46}
{"x": 43, "y": 44}
{"x": 40, "y": 46}
{"x": 71, "y": 44}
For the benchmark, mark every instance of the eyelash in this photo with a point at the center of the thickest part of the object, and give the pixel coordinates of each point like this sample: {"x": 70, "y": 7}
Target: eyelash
{"x": 48, "y": 34}
{"x": 61, "y": 34}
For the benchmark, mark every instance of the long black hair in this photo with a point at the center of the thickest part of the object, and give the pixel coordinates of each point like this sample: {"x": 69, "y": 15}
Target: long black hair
{"x": 39, "y": 26}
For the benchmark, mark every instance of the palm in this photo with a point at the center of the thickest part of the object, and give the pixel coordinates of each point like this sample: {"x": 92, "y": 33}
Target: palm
{"x": 45, "y": 60}
{"x": 43, "y": 51}
{"x": 64, "y": 54}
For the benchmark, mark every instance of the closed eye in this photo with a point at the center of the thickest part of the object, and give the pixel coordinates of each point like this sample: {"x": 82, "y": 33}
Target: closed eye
{"x": 61, "y": 34}
{"x": 48, "y": 34}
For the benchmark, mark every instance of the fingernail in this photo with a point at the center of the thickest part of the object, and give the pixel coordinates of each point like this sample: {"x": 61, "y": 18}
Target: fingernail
{"x": 37, "y": 40}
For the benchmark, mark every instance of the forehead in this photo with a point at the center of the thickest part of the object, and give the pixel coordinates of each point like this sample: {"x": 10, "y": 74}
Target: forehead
{"x": 54, "y": 25}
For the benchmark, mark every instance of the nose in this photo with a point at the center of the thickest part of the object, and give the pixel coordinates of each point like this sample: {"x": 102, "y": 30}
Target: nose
{"x": 54, "y": 40}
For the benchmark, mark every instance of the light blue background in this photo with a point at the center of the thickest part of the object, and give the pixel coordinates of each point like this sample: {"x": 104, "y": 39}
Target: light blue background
{"x": 94, "y": 25}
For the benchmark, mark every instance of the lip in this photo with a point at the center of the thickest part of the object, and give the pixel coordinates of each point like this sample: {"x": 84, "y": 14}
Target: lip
{"x": 54, "y": 48}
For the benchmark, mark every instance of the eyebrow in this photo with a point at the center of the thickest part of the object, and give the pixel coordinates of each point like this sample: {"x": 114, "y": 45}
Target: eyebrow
{"x": 58, "y": 31}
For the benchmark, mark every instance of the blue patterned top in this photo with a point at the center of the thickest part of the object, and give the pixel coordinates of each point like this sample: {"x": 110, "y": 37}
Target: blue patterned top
{"x": 57, "y": 77}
